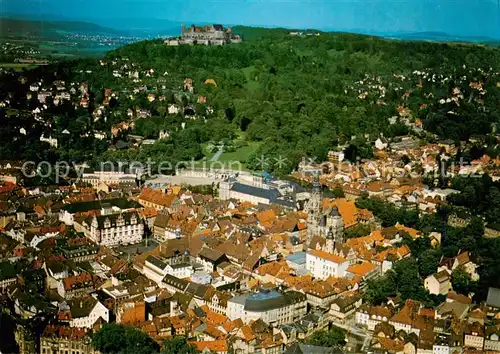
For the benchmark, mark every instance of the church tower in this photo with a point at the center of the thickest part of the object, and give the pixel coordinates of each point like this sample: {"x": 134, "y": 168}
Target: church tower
{"x": 330, "y": 241}
{"x": 336, "y": 224}
{"x": 314, "y": 208}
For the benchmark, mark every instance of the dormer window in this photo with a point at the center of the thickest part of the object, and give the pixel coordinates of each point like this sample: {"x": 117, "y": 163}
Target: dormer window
{"x": 120, "y": 221}
{"x": 107, "y": 223}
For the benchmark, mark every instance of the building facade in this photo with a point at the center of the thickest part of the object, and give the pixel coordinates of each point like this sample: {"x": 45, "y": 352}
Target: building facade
{"x": 320, "y": 223}
{"x": 322, "y": 264}
{"x": 205, "y": 35}
{"x": 115, "y": 229}
{"x": 272, "y": 306}
{"x": 65, "y": 340}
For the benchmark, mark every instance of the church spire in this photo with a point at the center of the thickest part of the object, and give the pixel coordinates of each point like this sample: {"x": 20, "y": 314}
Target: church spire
{"x": 314, "y": 209}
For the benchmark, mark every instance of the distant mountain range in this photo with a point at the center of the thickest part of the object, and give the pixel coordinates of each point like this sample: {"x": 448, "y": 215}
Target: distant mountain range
{"x": 150, "y": 28}
{"x": 30, "y": 25}
{"x": 423, "y": 36}
{"x": 441, "y": 37}
{"x": 23, "y": 27}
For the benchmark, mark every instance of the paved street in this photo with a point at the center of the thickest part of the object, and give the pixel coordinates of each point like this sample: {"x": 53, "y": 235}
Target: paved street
{"x": 163, "y": 181}
{"x": 217, "y": 154}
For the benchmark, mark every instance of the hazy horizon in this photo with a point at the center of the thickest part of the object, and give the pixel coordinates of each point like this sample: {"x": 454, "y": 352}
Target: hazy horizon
{"x": 479, "y": 18}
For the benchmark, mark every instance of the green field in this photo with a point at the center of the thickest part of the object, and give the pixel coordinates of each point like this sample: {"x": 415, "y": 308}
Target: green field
{"x": 17, "y": 66}
{"x": 251, "y": 84}
{"x": 240, "y": 154}
{"x": 233, "y": 159}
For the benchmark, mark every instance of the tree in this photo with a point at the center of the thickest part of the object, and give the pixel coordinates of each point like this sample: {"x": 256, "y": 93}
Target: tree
{"x": 408, "y": 279}
{"x": 114, "y": 338}
{"x": 8, "y": 326}
{"x": 461, "y": 281}
{"x": 428, "y": 262}
{"x": 178, "y": 345}
{"x": 359, "y": 230}
{"x": 334, "y": 337}
{"x": 338, "y": 193}
{"x": 378, "y": 290}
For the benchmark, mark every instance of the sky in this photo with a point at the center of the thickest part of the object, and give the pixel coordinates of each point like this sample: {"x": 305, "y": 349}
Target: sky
{"x": 454, "y": 17}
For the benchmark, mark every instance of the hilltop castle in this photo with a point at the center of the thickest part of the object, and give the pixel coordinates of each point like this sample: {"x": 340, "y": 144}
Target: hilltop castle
{"x": 205, "y": 35}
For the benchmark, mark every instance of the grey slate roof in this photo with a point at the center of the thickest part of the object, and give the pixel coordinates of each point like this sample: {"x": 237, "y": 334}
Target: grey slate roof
{"x": 298, "y": 258}
{"x": 121, "y": 203}
{"x": 272, "y": 195}
{"x": 156, "y": 262}
{"x": 268, "y": 300}
{"x": 177, "y": 283}
{"x": 114, "y": 217}
{"x": 210, "y": 254}
{"x": 493, "y": 298}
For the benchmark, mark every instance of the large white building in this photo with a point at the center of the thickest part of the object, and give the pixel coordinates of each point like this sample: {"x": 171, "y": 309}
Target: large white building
{"x": 114, "y": 229}
{"x": 107, "y": 206}
{"x": 156, "y": 269}
{"x": 272, "y": 306}
{"x": 113, "y": 176}
{"x": 256, "y": 190}
{"x": 322, "y": 264}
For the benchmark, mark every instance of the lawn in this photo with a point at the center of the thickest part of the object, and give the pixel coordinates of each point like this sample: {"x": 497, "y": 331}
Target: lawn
{"x": 241, "y": 154}
{"x": 235, "y": 159}
{"x": 251, "y": 85}
{"x": 17, "y": 66}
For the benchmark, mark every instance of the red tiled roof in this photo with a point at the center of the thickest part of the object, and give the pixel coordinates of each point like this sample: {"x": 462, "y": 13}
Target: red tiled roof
{"x": 212, "y": 346}
{"x": 81, "y": 280}
{"x": 328, "y": 256}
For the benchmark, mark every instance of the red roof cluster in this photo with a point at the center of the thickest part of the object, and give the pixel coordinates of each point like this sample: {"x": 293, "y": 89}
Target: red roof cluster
{"x": 64, "y": 332}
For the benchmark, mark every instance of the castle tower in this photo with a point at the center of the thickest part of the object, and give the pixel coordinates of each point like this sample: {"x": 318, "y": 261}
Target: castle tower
{"x": 183, "y": 29}
{"x": 314, "y": 208}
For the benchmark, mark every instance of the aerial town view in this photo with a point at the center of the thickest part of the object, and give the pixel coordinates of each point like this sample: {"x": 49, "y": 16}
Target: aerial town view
{"x": 249, "y": 177}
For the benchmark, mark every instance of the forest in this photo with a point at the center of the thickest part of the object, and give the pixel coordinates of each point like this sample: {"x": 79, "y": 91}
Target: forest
{"x": 287, "y": 96}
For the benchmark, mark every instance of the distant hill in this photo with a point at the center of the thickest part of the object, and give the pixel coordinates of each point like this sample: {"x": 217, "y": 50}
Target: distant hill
{"x": 11, "y": 24}
{"x": 440, "y": 37}
{"x": 433, "y": 36}
{"x": 43, "y": 29}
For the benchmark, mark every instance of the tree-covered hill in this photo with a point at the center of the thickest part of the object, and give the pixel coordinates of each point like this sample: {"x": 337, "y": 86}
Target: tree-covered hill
{"x": 49, "y": 29}
{"x": 296, "y": 95}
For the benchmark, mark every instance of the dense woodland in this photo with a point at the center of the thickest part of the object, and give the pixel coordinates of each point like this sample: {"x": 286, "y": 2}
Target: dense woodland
{"x": 290, "y": 95}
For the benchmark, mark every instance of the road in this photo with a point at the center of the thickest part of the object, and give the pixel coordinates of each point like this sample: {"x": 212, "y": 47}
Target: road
{"x": 163, "y": 181}
{"x": 217, "y": 154}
